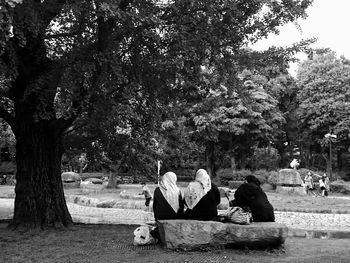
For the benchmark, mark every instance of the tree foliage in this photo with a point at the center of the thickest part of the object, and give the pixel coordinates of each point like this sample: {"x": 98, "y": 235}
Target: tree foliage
{"x": 324, "y": 94}
{"x": 324, "y": 100}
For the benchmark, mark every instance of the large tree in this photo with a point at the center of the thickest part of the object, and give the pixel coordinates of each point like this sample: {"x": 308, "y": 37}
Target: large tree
{"x": 324, "y": 105}
{"x": 62, "y": 59}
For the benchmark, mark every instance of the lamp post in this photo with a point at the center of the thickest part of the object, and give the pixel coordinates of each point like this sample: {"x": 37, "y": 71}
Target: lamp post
{"x": 329, "y": 136}
{"x": 156, "y": 144}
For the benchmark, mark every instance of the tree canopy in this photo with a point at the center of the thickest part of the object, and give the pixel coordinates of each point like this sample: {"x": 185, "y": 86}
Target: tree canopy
{"x": 324, "y": 100}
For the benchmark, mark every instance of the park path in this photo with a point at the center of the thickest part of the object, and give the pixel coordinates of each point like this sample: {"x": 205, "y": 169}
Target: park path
{"x": 95, "y": 215}
{"x": 91, "y": 215}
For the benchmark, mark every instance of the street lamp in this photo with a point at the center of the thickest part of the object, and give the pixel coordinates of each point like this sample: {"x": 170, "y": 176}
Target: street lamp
{"x": 156, "y": 144}
{"x": 329, "y": 138}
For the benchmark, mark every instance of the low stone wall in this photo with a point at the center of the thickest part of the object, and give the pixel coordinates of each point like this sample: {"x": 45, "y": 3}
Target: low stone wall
{"x": 127, "y": 195}
{"x": 193, "y": 234}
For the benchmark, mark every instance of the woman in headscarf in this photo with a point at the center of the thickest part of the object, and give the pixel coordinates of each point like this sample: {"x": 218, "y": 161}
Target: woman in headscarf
{"x": 251, "y": 195}
{"x": 167, "y": 201}
{"x": 202, "y": 198}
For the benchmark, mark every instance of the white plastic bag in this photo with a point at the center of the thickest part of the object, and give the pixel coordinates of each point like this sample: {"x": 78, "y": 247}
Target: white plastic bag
{"x": 143, "y": 236}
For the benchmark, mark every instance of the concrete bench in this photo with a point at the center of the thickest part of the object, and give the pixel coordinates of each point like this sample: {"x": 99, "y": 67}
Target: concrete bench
{"x": 193, "y": 234}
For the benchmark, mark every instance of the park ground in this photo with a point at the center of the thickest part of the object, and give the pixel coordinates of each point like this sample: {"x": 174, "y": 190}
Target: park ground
{"x": 113, "y": 243}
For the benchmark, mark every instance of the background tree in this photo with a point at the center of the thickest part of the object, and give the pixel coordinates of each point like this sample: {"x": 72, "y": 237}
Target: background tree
{"x": 324, "y": 92}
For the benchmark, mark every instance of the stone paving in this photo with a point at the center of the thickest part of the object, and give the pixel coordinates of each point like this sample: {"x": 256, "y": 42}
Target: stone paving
{"x": 314, "y": 221}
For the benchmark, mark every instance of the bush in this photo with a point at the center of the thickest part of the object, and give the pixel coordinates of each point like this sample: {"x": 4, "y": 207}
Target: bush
{"x": 265, "y": 158}
{"x": 240, "y": 175}
{"x": 223, "y": 176}
{"x": 262, "y": 175}
{"x": 226, "y": 177}
{"x": 234, "y": 184}
{"x": 340, "y": 186}
{"x": 341, "y": 175}
{"x": 273, "y": 178}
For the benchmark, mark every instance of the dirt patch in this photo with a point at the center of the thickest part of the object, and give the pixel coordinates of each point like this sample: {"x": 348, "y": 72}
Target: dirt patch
{"x": 113, "y": 243}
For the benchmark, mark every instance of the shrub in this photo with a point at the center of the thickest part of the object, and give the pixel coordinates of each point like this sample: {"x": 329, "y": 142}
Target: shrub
{"x": 262, "y": 175}
{"x": 340, "y": 186}
{"x": 341, "y": 175}
{"x": 265, "y": 158}
{"x": 233, "y": 179}
{"x": 234, "y": 184}
{"x": 240, "y": 175}
{"x": 273, "y": 178}
{"x": 223, "y": 176}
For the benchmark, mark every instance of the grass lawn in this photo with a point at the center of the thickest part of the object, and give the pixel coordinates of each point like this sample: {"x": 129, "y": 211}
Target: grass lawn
{"x": 113, "y": 243}
{"x": 284, "y": 202}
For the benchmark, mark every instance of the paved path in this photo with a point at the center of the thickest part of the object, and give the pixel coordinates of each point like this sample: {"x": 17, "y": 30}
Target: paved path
{"x": 91, "y": 215}
{"x": 94, "y": 215}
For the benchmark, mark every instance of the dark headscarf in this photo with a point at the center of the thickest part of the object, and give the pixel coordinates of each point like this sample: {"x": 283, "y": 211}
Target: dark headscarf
{"x": 252, "y": 179}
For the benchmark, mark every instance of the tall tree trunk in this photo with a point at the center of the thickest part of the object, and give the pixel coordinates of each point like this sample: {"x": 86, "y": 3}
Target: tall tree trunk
{"x": 40, "y": 200}
{"x": 113, "y": 180}
{"x": 233, "y": 162}
{"x": 210, "y": 158}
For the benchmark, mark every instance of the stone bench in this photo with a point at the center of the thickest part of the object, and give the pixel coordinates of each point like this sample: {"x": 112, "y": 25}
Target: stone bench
{"x": 193, "y": 234}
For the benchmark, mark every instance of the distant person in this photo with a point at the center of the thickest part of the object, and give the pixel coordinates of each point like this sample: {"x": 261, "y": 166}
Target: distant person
{"x": 294, "y": 164}
{"x": 250, "y": 195}
{"x": 167, "y": 199}
{"x": 147, "y": 193}
{"x": 202, "y": 198}
{"x": 309, "y": 183}
{"x": 324, "y": 185}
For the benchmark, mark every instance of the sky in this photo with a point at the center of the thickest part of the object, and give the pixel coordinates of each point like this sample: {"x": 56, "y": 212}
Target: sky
{"x": 327, "y": 20}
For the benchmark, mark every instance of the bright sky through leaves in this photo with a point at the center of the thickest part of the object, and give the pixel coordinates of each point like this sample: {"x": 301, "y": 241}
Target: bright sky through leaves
{"x": 327, "y": 21}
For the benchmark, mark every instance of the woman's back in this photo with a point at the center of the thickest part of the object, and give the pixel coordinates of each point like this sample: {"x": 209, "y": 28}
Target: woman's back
{"x": 206, "y": 208}
{"x": 167, "y": 201}
{"x": 251, "y": 195}
{"x": 163, "y": 210}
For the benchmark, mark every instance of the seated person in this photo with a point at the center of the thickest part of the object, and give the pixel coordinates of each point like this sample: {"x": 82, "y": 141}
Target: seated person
{"x": 167, "y": 200}
{"x": 252, "y": 196}
{"x": 202, "y": 198}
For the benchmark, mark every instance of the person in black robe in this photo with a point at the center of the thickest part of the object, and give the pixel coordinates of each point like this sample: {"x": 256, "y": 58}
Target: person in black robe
{"x": 167, "y": 199}
{"x": 202, "y": 198}
{"x": 252, "y": 196}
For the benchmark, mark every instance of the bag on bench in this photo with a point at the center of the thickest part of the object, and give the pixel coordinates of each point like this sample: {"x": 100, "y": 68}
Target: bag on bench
{"x": 238, "y": 215}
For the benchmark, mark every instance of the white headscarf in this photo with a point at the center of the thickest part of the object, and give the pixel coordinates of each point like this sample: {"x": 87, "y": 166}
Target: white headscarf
{"x": 170, "y": 190}
{"x": 197, "y": 189}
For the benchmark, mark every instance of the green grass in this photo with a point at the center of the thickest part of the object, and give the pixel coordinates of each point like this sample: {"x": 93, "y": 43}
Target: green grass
{"x": 113, "y": 243}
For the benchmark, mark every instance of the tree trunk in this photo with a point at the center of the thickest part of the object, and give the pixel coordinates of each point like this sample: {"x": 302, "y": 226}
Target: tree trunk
{"x": 113, "y": 180}
{"x": 233, "y": 163}
{"x": 40, "y": 200}
{"x": 210, "y": 159}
